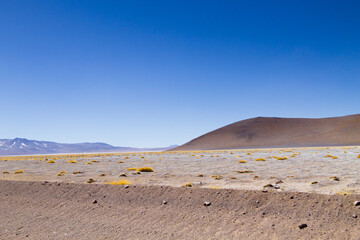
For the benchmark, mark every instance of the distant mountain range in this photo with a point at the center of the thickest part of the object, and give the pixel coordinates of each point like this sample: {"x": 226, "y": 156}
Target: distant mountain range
{"x": 23, "y": 146}
{"x": 263, "y": 132}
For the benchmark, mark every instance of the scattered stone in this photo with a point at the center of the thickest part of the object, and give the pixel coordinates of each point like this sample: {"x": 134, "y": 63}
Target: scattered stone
{"x": 207, "y": 204}
{"x": 95, "y": 201}
{"x": 164, "y": 202}
{"x": 292, "y": 197}
{"x": 279, "y": 182}
{"x": 356, "y": 203}
{"x": 302, "y": 226}
{"x": 122, "y": 175}
{"x": 126, "y": 186}
{"x": 354, "y": 216}
{"x": 200, "y": 175}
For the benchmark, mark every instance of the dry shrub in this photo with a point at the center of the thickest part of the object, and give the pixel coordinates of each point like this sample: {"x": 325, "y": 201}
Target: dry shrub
{"x": 242, "y": 161}
{"x": 120, "y": 182}
{"x": 187, "y": 185}
{"x": 281, "y": 158}
{"x": 328, "y": 155}
{"x": 334, "y": 178}
{"x": 126, "y": 157}
{"x": 78, "y": 172}
{"x": 314, "y": 182}
{"x": 334, "y": 157}
{"x": 244, "y": 171}
{"x": 62, "y": 173}
{"x": 72, "y": 161}
{"x": 216, "y": 177}
{"x": 5, "y": 172}
{"x": 91, "y": 180}
{"x": 120, "y": 162}
{"x": 145, "y": 169}
{"x": 260, "y": 160}
{"x": 51, "y": 161}
{"x": 19, "y": 171}
{"x": 131, "y": 169}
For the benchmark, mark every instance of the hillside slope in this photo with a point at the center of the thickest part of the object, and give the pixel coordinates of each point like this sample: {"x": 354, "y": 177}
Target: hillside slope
{"x": 280, "y": 132}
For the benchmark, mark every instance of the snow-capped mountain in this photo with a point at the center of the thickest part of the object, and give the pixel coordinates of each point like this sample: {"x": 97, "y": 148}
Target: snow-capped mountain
{"x": 21, "y": 146}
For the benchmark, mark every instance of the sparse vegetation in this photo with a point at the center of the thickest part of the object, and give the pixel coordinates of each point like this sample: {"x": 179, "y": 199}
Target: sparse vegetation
{"x": 19, "y": 171}
{"x": 50, "y": 161}
{"x": 242, "y": 161}
{"x": 72, "y": 161}
{"x": 244, "y": 171}
{"x": 260, "y": 160}
{"x": 62, "y": 173}
{"x": 145, "y": 169}
{"x": 187, "y": 185}
{"x": 120, "y": 182}
{"x": 131, "y": 169}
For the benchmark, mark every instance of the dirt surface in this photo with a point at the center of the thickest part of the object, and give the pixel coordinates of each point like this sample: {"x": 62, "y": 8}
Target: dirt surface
{"x": 203, "y": 169}
{"x": 38, "y": 210}
{"x": 280, "y": 132}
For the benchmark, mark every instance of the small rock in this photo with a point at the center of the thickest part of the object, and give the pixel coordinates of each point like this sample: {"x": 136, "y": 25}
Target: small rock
{"x": 302, "y": 226}
{"x": 354, "y": 216}
{"x": 95, "y": 201}
{"x": 207, "y": 204}
{"x": 122, "y": 175}
{"x": 356, "y": 203}
{"x": 126, "y": 186}
{"x": 292, "y": 197}
{"x": 164, "y": 202}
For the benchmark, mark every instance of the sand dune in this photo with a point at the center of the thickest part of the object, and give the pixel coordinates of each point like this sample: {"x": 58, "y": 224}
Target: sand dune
{"x": 281, "y": 132}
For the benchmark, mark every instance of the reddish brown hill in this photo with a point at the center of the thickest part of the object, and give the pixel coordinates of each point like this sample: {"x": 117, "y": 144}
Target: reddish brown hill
{"x": 280, "y": 132}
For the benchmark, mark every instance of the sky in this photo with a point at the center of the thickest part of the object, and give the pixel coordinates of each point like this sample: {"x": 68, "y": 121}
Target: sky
{"x": 157, "y": 73}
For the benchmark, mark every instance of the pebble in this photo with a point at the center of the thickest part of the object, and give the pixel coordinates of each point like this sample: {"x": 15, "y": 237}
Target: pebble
{"x": 207, "y": 204}
{"x": 302, "y": 226}
{"x": 164, "y": 202}
{"x": 356, "y": 203}
{"x": 95, "y": 201}
{"x": 354, "y": 216}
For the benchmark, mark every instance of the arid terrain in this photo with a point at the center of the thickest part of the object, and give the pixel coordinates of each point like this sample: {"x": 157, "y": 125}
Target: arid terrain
{"x": 263, "y": 132}
{"x": 253, "y": 194}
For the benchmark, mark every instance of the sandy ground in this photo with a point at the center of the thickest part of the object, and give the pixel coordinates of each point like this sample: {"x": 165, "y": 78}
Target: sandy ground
{"x": 35, "y": 210}
{"x": 219, "y": 169}
{"x": 267, "y": 202}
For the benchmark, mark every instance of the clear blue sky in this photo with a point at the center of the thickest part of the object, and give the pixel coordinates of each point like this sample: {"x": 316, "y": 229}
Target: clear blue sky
{"x": 155, "y": 73}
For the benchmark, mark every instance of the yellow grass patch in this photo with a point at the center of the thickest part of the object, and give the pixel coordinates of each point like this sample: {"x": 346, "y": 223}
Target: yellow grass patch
{"x": 145, "y": 169}
{"x": 260, "y": 160}
{"x": 281, "y": 158}
{"x": 187, "y": 185}
{"x": 51, "y": 161}
{"x": 244, "y": 171}
{"x": 62, "y": 173}
{"x": 72, "y": 161}
{"x": 131, "y": 169}
{"x": 242, "y": 161}
{"x": 19, "y": 171}
{"x": 121, "y": 182}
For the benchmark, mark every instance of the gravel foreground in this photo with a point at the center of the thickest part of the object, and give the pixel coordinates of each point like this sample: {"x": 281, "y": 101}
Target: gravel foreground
{"x": 44, "y": 210}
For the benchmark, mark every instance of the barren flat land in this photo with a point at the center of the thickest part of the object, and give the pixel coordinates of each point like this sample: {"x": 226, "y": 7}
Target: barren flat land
{"x": 253, "y": 194}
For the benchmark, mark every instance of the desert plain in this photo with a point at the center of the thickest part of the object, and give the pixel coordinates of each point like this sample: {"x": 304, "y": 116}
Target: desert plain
{"x": 248, "y": 193}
